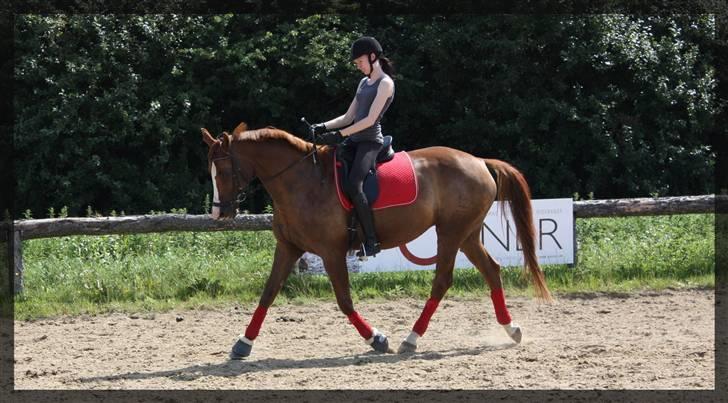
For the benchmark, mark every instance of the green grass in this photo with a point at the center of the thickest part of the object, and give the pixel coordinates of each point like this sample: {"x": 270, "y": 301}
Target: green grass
{"x": 153, "y": 272}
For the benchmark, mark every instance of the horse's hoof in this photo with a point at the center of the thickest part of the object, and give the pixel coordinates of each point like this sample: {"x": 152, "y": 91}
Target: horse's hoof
{"x": 240, "y": 350}
{"x": 407, "y": 347}
{"x": 516, "y": 334}
{"x": 381, "y": 344}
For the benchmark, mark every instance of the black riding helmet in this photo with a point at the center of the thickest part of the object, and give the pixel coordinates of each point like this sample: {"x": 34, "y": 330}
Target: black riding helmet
{"x": 365, "y": 46}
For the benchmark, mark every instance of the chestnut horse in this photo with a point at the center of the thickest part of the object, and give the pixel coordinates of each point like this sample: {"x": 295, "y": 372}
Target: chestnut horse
{"x": 456, "y": 190}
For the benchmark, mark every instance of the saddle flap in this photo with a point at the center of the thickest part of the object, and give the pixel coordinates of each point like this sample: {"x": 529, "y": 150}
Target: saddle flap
{"x": 370, "y": 185}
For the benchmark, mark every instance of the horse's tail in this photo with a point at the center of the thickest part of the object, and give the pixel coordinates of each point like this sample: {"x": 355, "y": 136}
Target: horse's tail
{"x": 513, "y": 188}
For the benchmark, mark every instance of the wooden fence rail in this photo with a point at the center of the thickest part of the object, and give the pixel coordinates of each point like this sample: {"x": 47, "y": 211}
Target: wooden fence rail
{"x": 644, "y": 206}
{"x": 139, "y": 224}
{"x": 56, "y": 227}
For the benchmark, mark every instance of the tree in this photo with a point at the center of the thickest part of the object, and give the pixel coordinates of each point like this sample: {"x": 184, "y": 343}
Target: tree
{"x": 108, "y": 108}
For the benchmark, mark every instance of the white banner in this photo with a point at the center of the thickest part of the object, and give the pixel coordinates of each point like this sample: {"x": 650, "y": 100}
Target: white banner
{"x": 553, "y": 220}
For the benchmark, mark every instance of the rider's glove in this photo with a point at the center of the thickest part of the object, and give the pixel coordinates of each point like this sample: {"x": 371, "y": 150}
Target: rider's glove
{"x": 331, "y": 138}
{"x": 318, "y": 128}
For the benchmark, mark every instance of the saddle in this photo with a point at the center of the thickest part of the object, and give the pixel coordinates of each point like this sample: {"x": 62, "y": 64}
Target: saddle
{"x": 345, "y": 153}
{"x": 393, "y": 173}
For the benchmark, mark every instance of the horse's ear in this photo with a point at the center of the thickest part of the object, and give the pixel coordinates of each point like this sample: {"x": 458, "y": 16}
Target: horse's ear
{"x": 225, "y": 138}
{"x": 241, "y": 128}
{"x": 207, "y": 137}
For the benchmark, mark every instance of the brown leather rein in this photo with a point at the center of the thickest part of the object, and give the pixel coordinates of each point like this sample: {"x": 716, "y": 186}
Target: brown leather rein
{"x": 238, "y": 185}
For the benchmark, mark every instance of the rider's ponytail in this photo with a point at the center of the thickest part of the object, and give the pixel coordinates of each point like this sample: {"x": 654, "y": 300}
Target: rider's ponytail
{"x": 387, "y": 65}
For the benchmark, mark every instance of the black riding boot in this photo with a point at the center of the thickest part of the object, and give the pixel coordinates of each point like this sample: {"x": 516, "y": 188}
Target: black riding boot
{"x": 366, "y": 218}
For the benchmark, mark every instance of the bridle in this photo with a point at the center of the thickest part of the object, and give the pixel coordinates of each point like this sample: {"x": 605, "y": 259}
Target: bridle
{"x": 238, "y": 185}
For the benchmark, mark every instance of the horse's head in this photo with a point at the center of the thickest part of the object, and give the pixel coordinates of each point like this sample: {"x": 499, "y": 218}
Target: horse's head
{"x": 230, "y": 174}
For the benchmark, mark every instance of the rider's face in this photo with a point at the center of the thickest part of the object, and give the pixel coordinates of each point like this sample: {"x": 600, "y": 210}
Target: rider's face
{"x": 362, "y": 63}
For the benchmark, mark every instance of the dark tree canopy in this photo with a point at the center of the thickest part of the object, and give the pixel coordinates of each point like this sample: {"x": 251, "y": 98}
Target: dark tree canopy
{"x": 108, "y": 108}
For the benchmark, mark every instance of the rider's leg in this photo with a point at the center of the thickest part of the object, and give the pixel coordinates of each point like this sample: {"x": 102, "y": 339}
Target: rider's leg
{"x": 366, "y": 155}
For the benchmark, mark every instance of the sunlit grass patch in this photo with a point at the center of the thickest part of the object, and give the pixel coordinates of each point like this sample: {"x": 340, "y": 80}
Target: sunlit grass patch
{"x": 148, "y": 272}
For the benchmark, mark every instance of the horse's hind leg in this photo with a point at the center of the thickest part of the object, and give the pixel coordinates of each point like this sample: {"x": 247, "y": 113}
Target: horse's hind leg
{"x": 447, "y": 249}
{"x": 490, "y": 270}
{"x": 283, "y": 260}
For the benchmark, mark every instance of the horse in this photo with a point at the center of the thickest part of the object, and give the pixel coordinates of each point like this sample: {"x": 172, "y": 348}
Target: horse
{"x": 455, "y": 192}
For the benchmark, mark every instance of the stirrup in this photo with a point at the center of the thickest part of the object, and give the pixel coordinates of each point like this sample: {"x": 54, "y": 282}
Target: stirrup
{"x": 372, "y": 251}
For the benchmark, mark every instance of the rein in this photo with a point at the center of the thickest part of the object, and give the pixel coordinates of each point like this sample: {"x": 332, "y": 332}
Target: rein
{"x": 236, "y": 176}
{"x": 290, "y": 166}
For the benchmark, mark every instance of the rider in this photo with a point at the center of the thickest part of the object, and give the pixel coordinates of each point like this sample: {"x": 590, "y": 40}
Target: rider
{"x": 374, "y": 94}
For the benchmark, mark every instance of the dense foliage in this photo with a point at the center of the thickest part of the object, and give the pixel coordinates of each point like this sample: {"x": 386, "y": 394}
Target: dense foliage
{"x": 108, "y": 108}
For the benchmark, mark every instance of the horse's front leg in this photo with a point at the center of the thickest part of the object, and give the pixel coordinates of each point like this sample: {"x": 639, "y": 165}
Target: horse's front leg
{"x": 283, "y": 260}
{"x": 339, "y": 276}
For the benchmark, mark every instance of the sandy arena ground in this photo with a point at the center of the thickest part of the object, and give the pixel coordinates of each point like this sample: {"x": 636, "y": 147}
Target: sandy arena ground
{"x": 646, "y": 340}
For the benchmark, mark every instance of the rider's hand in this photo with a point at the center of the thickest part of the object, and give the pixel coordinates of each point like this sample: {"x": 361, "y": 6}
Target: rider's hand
{"x": 331, "y": 138}
{"x": 318, "y": 128}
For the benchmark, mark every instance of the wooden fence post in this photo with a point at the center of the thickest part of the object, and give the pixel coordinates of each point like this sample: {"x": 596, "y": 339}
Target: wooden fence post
{"x": 17, "y": 243}
{"x": 576, "y": 244}
{"x": 6, "y": 255}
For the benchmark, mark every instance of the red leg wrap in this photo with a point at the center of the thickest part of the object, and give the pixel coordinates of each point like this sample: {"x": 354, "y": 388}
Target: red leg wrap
{"x": 424, "y": 320}
{"x": 499, "y": 303}
{"x": 361, "y": 325}
{"x": 254, "y": 327}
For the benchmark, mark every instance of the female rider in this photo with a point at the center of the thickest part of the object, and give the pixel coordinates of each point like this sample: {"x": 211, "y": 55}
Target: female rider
{"x": 374, "y": 94}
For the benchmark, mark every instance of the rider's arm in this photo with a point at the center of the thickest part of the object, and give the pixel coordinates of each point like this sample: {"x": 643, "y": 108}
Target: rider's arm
{"x": 344, "y": 119}
{"x": 385, "y": 90}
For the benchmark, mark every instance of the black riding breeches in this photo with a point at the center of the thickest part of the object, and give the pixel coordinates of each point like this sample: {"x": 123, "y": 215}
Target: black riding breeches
{"x": 366, "y": 157}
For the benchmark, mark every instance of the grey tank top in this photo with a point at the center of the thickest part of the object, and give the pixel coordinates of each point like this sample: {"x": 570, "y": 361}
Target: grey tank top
{"x": 365, "y": 95}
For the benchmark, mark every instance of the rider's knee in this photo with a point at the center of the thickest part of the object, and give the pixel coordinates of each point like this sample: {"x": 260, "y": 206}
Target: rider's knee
{"x": 353, "y": 189}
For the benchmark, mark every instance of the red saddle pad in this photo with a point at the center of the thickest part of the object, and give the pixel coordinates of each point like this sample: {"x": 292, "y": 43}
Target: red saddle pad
{"x": 397, "y": 183}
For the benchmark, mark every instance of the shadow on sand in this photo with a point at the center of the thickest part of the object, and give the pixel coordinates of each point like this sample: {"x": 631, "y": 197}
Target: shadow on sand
{"x": 233, "y": 368}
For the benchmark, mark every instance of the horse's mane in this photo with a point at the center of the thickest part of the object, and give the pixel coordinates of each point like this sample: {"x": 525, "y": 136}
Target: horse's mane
{"x": 271, "y": 133}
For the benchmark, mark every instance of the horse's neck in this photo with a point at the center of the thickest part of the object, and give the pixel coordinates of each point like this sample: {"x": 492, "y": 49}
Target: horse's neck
{"x": 274, "y": 156}
{"x": 284, "y": 169}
